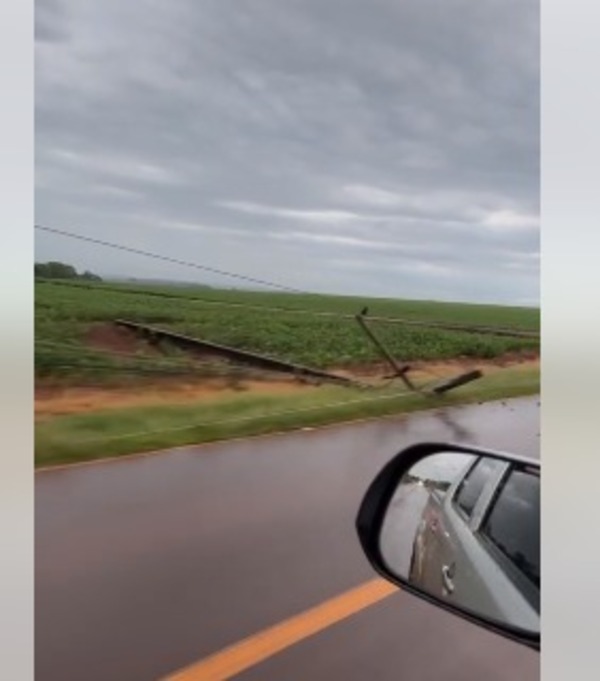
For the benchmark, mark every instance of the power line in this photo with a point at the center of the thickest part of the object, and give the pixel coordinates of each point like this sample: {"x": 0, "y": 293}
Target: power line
{"x": 417, "y": 323}
{"x": 166, "y": 258}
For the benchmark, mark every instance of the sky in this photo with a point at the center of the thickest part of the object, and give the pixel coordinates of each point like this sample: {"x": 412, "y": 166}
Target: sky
{"x": 383, "y": 148}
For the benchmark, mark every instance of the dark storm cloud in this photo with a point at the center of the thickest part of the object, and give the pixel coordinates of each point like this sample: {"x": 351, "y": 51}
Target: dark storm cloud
{"x": 382, "y": 148}
{"x": 50, "y": 21}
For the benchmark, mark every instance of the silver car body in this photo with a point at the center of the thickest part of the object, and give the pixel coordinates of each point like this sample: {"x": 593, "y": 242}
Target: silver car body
{"x": 451, "y": 560}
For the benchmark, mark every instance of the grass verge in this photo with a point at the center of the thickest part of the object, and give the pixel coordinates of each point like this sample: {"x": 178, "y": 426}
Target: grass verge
{"x": 96, "y": 435}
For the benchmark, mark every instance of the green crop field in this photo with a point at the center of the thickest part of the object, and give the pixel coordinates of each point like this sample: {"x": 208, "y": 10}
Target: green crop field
{"x": 309, "y": 329}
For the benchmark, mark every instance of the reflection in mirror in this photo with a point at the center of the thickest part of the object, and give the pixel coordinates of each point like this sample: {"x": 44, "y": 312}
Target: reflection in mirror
{"x": 465, "y": 529}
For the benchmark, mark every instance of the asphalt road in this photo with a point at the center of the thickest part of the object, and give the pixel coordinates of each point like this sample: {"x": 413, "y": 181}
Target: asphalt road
{"x": 150, "y": 564}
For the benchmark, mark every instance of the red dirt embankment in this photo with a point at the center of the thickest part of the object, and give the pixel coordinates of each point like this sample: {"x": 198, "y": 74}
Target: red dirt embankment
{"x": 54, "y": 400}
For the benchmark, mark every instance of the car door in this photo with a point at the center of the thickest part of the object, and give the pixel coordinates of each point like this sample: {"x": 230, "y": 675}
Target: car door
{"x": 448, "y": 532}
{"x": 509, "y": 533}
{"x": 488, "y": 544}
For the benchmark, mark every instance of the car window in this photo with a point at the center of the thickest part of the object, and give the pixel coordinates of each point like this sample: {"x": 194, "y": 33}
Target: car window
{"x": 473, "y": 484}
{"x": 513, "y": 523}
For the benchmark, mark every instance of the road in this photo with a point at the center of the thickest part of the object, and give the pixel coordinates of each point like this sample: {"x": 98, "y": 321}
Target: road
{"x": 150, "y": 564}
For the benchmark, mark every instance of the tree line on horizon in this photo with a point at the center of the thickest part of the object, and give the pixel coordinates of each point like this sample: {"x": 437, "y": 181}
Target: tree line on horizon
{"x": 60, "y": 270}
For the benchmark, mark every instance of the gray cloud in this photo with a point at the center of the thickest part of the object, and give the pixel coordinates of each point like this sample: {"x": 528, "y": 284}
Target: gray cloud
{"x": 381, "y": 148}
{"x": 50, "y": 21}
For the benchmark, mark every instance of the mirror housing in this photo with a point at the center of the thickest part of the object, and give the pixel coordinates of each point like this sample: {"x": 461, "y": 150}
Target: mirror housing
{"x": 520, "y": 624}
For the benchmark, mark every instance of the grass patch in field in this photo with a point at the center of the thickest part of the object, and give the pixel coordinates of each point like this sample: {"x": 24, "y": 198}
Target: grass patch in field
{"x": 81, "y": 437}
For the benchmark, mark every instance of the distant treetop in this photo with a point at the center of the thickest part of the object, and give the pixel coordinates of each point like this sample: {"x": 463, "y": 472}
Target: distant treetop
{"x": 60, "y": 270}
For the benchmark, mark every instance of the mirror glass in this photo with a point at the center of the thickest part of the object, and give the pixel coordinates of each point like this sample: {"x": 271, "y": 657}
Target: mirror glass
{"x": 465, "y": 529}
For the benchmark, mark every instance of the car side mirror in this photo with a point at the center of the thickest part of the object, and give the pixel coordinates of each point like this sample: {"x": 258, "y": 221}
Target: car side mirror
{"x": 460, "y": 527}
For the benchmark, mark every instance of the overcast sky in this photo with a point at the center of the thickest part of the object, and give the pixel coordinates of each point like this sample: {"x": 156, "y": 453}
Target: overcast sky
{"x": 380, "y": 147}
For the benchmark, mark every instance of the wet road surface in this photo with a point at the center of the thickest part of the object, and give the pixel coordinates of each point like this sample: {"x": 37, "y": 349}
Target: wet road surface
{"x": 147, "y": 565}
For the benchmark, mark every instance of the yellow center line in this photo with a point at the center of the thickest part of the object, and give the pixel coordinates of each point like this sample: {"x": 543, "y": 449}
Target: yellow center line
{"x": 254, "y": 649}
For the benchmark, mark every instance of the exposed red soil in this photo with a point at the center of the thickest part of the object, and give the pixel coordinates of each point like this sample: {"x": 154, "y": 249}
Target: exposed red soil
{"x": 53, "y": 400}
{"x": 113, "y": 338}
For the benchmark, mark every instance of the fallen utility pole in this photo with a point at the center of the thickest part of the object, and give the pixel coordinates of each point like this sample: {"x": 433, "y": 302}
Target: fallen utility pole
{"x": 456, "y": 381}
{"x": 262, "y": 361}
{"x": 399, "y": 371}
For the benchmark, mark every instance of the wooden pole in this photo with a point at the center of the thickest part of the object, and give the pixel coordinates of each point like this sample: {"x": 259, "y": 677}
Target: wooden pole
{"x": 398, "y": 370}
